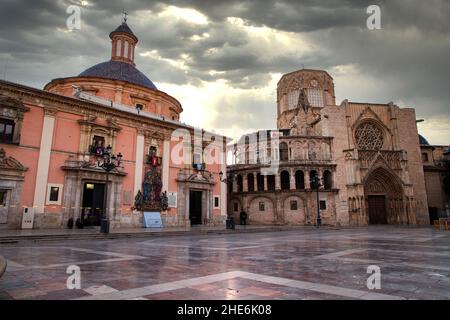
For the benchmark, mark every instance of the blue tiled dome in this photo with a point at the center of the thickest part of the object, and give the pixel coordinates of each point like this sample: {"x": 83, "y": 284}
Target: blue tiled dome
{"x": 423, "y": 141}
{"x": 118, "y": 70}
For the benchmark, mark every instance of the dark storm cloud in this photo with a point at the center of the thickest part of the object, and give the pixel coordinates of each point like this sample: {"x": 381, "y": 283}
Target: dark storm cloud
{"x": 409, "y": 57}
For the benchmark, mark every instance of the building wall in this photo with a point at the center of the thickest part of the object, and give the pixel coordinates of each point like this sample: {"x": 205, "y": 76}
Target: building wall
{"x": 73, "y": 120}
{"x": 390, "y": 165}
{"x": 434, "y": 190}
{"x": 407, "y": 133}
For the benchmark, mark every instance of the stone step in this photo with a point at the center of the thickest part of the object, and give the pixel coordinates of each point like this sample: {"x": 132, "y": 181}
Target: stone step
{"x": 120, "y": 235}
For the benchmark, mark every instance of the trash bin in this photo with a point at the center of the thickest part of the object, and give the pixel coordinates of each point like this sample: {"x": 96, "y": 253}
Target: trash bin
{"x": 104, "y": 226}
{"x": 230, "y": 223}
{"x": 243, "y": 218}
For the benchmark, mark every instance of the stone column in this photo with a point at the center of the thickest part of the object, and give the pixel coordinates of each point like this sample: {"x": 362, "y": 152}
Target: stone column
{"x": 255, "y": 181}
{"x": 292, "y": 179}
{"x": 244, "y": 183}
{"x": 277, "y": 181}
{"x": 306, "y": 179}
{"x": 139, "y": 158}
{"x": 265, "y": 183}
{"x": 166, "y": 162}
{"x": 223, "y": 186}
{"x": 235, "y": 187}
{"x": 44, "y": 160}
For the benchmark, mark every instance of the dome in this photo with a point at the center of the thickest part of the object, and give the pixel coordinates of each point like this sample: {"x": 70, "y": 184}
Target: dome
{"x": 118, "y": 70}
{"x": 423, "y": 141}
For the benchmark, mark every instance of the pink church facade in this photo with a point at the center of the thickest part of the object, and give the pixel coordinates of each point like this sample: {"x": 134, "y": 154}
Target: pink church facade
{"x": 48, "y": 141}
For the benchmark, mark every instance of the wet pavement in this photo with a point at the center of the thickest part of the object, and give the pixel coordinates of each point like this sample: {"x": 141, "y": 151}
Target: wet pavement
{"x": 298, "y": 264}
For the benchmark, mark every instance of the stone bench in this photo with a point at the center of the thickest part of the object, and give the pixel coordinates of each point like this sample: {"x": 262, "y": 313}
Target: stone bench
{"x": 2, "y": 266}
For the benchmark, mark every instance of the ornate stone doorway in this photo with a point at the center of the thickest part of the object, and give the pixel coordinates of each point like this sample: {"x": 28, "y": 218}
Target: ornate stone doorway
{"x": 77, "y": 175}
{"x": 384, "y": 196}
{"x": 197, "y": 187}
{"x": 12, "y": 174}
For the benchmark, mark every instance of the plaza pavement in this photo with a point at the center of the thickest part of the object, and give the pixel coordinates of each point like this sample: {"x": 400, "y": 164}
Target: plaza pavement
{"x": 305, "y": 263}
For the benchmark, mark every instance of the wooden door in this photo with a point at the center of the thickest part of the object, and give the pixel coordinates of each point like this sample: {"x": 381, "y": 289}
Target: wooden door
{"x": 377, "y": 210}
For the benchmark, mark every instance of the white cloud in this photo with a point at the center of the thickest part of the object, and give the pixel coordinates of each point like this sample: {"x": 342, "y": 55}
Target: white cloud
{"x": 186, "y": 14}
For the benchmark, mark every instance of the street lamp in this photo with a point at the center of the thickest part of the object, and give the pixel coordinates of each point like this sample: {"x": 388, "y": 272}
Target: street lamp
{"x": 315, "y": 184}
{"x": 222, "y": 180}
{"x": 230, "y": 220}
{"x": 108, "y": 162}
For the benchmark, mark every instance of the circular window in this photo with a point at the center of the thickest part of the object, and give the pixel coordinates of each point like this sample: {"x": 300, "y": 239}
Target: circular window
{"x": 369, "y": 136}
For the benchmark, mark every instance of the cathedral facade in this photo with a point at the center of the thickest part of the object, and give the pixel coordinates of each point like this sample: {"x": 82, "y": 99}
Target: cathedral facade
{"x": 53, "y": 144}
{"x": 366, "y": 157}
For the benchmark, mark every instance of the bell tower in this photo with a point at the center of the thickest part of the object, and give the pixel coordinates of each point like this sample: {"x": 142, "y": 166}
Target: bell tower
{"x": 123, "y": 43}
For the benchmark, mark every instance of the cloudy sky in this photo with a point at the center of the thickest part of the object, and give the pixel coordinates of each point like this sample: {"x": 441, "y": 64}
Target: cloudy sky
{"x": 222, "y": 59}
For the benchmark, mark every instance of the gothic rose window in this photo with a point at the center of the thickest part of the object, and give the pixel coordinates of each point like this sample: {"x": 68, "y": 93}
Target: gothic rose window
{"x": 369, "y": 136}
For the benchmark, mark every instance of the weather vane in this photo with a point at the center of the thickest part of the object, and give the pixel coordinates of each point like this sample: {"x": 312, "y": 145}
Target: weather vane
{"x": 124, "y": 15}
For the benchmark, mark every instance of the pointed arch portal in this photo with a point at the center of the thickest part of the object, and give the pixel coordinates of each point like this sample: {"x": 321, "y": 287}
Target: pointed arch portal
{"x": 384, "y": 198}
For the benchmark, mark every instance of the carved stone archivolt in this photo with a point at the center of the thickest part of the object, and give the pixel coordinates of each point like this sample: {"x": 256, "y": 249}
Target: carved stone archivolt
{"x": 391, "y": 159}
{"x": 10, "y": 167}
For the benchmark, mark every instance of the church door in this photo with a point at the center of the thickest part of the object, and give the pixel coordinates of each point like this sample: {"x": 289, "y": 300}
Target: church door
{"x": 377, "y": 210}
{"x": 195, "y": 207}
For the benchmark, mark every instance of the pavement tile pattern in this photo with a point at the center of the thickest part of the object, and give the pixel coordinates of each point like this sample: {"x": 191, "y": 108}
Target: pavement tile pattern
{"x": 308, "y": 264}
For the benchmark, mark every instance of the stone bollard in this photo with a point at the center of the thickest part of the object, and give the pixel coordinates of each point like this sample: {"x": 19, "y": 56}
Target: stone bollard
{"x": 2, "y": 266}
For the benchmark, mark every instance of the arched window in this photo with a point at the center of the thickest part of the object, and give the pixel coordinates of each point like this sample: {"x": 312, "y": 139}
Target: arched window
{"x": 312, "y": 173}
{"x": 247, "y": 152}
{"x": 118, "y": 47}
{"x": 251, "y": 182}
{"x": 315, "y": 97}
{"x": 285, "y": 182}
{"x": 299, "y": 180}
{"x": 125, "y": 49}
{"x": 327, "y": 180}
{"x": 260, "y": 181}
{"x": 293, "y": 98}
{"x": 271, "y": 182}
{"x": 239, "y": 183}
{"x": 284, "y": 151}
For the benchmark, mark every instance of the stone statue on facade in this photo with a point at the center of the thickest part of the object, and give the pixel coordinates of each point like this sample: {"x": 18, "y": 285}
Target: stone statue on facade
{"x": 303, "y": 124}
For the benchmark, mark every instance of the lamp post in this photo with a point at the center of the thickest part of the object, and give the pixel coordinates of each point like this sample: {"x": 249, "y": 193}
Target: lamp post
{"x": 230, "y": 221}
{"x": 108, "y": 162}
{"x": 315, "y": 183}
{"x": 222, "y": 180}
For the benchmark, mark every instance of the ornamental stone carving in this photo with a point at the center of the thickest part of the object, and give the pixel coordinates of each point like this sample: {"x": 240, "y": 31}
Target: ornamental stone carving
{"x": 369, "y": 136}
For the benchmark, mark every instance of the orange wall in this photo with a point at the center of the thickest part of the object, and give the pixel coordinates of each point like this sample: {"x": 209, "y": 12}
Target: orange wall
{"x": 66, "y": 133}
{"x": 32, "y": 127}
